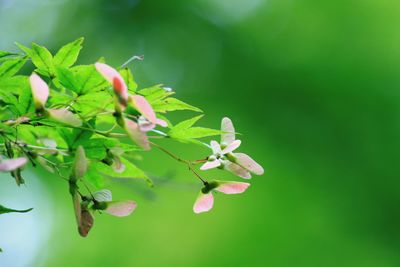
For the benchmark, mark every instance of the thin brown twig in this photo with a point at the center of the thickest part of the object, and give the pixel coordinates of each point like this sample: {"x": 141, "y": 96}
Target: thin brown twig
{"x": 188, "y": 163}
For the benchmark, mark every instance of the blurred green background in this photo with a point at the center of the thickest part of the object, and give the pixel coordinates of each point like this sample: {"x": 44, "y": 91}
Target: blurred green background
{"x": 314, "y": 87}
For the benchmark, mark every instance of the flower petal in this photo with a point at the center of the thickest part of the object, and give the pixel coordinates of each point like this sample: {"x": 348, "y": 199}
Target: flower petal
{"x": 12, "y": 164}
{"x": 65, "y": 116}
{"x": 216, "y": 148}
{"x": 237, "y": 170}
{"x": 139, "y": 137}
{"x": 40, "y": 90}
{"x": 204, "y": 202}
{"x": 248, "y": 163}
{"x": 210, "y": 165}
{"x": 121, "y": 208}
{"x": 232, "y": 187}
{"x": 144, "y": 107}
{"x": 227, "y": 127}
{"x": 232, "y": 146}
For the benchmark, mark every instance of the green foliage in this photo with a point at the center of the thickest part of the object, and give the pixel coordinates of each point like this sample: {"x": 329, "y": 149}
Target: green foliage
{"x": 8, "y": 210}
{"x": 68, "y": 136}
{"x": 184, "y": 131}
{"x": 41, "y": 58}
{"x": 158, "y": 96}
{"x": 5, "y": 54}
{"x": 66, "y": 78}
{"x": 68, "y": 54}
{"x": 11, "y": 66}
{"x": 80, "y": 126}
{"x": 88, "y": 79}
{"x": 129, "y": 80}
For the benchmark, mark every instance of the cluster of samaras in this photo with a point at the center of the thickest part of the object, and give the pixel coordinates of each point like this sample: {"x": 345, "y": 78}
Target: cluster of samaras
{"x": 136, "y": 116}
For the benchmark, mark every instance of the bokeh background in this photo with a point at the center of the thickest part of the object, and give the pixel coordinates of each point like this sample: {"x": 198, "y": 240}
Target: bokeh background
{"x": 314, "y": 87}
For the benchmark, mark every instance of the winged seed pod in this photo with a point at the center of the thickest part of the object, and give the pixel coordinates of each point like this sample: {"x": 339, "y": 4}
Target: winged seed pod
{"x": 86, "y": 222}
{"x": 120, "y": 208}
{"x": 80, "y": 165}
{"x": 76, "y": 201}
{"x": 205, "y": 200}
{"x": 64, "y": 116}
{"x": 148, "y": 120}
{"x": 14, "y": 166}
{"x": 8, "y": 165}
{"x": 40, "y": 93}
{"x": 136, "y": 129}
{"x": 84, "y": 218}
{"x": 115, "y": 78}
{"x": 46, "y": 126}
{"x": 223, "y": 157}
{"x": 103, "y": 201}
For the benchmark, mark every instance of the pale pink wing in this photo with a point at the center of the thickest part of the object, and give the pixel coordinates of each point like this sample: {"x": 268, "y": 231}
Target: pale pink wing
{"x": 109, "y": 73}
{"x": 80, "y": 163}
{"x": 162, "y": 123}
{"x": 12, "y": 164}
{"x": 40, "y": 90}
{"x": 121, "y": 208}
{"x": 204, "y": 202}
{"x": 232, "y": 187}
{"x": 210, "y": 165}
{"x": 248, "y": 163}
{"x": 237, "y": 170}
{"x": 76, "y": 199}
{"x": 144, "y": 107}
{"x": 146, "y": 126}
{"x": 42, "y": 162}
{"x": 216, "y": 148}
{"x": 115, "y": 78}
{"x": 139, "y": 137}
{"x": 229, "y": 131}
{"x": 117, "y": 165}
{"x": 232, "y": 146}
{"x": 65, "y": 116}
